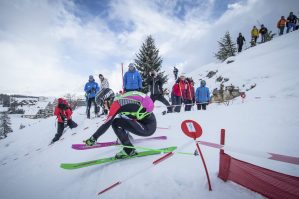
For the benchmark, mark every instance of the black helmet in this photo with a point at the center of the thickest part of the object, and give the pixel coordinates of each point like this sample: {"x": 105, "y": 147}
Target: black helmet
{"x": 104, "y": 94}
{"x": 203, "y": 83}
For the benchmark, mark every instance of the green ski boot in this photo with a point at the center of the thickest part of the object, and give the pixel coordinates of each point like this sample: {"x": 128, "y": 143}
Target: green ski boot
{"x": 90, "y": 142}
{"x": 122, "y": 154}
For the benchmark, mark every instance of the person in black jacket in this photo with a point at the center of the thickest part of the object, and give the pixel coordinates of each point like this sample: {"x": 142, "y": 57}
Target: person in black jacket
{"x": 291, "y": 22}
{"x": 156, "y": 88}
{"x": 240, "y": 41}
{"x": 263, "y": 32}
{"x": 175, "y": 72}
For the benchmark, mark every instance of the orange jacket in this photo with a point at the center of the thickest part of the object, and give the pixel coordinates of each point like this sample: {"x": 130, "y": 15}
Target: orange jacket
{"x": 281, "y": 23}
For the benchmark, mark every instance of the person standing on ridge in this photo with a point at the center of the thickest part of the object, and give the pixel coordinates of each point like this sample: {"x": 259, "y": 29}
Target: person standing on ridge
{"x": 254, "y": 35}
{"x": 263, "y": 32}
{"x": 131, "y": 112}
{"x": 175, "y": 72}
{"x": 91, "y": 88}
{"x": 291, "y": 22}
{"x": 240, "y": 41}
{"x": 281, "y": 25}
{"x": 132, "y": 79}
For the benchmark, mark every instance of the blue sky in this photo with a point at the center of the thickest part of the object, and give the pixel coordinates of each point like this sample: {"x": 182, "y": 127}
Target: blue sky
{"x": 58, "y": 44}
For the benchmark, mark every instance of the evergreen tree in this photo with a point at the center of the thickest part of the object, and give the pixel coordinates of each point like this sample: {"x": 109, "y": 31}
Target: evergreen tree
{"x": 4, "y": 125}
{"x": 148, "y": 59}
{"x": 227, "y": 48}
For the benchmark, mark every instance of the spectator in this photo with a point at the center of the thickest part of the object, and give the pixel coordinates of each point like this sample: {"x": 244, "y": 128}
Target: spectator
{"x": 202, "y": 96}
{"x": 190, "y": 96}
{"x": 175, "y": 72}
{"x": 156, "y": 88}
{"x": 178, "y": 91}
{"x": 254, "y": 35}
{"x": 63, "y": 113}
{"x": 281, "y": 25}
{"x": 263, "y": 32}
{"x": 104, "y": 82}
{"x": 132, "y": 79}
{"x": 240, "y": 41}
{"x": 91, "y": 88}
{"x": 291, "y": 22}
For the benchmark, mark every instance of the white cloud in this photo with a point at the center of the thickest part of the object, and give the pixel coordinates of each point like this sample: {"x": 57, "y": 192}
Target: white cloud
{"x": 46, "y": 49}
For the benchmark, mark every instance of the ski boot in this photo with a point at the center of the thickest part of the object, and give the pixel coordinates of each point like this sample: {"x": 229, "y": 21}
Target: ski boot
{"x": 123, "y": 154}
{"x": 90, "y": 142}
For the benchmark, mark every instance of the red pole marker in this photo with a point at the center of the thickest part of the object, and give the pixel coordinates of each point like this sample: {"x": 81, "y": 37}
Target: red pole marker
{"x": 122, "y": 76}
{"x": 193, "y": 130}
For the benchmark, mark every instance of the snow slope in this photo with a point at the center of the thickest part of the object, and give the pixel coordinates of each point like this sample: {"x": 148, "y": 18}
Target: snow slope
{"x": 268, "y": 120}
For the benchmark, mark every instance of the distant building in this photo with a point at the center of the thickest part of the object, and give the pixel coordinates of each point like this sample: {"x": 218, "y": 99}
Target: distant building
{"x": 31, "y": 107}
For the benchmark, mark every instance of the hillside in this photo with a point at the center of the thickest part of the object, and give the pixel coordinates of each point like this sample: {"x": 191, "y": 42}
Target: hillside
{"x": 267, "y": 120}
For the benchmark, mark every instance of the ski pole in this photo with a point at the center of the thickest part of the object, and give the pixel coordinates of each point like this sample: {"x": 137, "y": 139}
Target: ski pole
{"x": 154, "y": 163}
{"x": 159, "y": 127}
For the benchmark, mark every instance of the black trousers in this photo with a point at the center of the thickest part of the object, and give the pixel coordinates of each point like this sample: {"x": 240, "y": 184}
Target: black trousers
{"x": 162, "y": 99}
{"x": 188, "y": 105}
{"x": 89, "y": 102}
{"x": 145, "y": 127}
{"x": 203, "y": 106}
{"x": 128, "y": 90}
{"x": 240, "y": 47}
{"x": 177, "y": 101}
{"x": 60, "y": 128}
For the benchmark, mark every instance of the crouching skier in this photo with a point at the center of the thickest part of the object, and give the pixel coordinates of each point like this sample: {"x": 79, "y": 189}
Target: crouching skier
{"x": 131, "y": 112}
{"x": 63, "y": 112}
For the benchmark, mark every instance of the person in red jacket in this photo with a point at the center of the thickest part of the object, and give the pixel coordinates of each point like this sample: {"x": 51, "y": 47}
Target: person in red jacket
{"x": 190, "y": 94}
{"x": 63, "y": 113}
{"x": 178, "y": 93}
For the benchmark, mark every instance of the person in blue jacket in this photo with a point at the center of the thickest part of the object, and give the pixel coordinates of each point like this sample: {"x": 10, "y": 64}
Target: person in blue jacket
{"x": 202, "y": 96}
{"x": 132, "y": 79}
{"x": 91, "y": 88}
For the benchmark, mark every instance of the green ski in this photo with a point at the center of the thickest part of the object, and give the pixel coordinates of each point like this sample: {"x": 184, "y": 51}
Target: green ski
{"x": 79, "y": 165}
